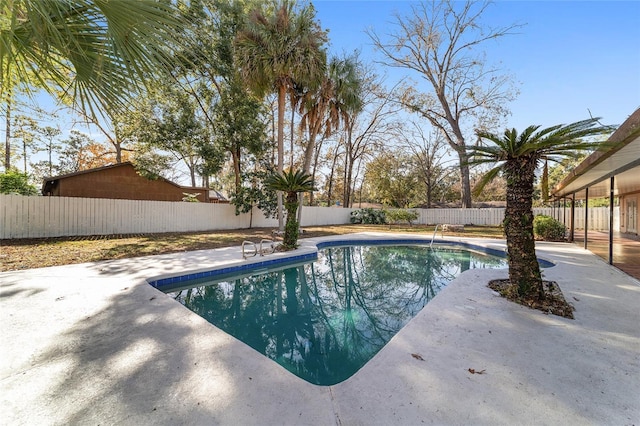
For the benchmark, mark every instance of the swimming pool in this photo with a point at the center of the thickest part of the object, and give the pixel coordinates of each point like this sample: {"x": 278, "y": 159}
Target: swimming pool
{"x": 324, "y": 318}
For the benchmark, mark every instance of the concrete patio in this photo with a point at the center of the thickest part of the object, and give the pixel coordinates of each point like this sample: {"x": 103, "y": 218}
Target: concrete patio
{"x": 95, "y": 344}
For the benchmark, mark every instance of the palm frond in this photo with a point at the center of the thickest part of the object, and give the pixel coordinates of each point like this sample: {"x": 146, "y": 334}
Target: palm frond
{"x": 94, "y": 51}
{"x": 486, "y": 178}
{"x": 290, "y": 181}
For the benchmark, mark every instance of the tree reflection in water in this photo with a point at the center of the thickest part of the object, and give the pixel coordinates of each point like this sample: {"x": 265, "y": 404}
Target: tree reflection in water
{"x": 324, "y": 320}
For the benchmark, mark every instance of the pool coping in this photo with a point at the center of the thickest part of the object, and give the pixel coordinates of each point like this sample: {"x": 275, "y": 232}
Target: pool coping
{"x": 94, "y": 343}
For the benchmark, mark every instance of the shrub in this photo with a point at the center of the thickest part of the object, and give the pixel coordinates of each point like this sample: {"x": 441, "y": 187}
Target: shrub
{"x": 190, "y": 198}
{"x": 14, "y": 182}
{"x": 368, "y": 216}
{"x": 548, "y": 229}
{"x": 402, "y": 215}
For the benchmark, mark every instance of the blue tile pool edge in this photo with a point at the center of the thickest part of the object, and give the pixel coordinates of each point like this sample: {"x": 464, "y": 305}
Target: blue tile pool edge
{"x": 247, "y": 267}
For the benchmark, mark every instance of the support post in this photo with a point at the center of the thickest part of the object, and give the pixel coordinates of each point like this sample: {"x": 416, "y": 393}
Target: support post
{"x": 573, "y": 217}
{"x": 611, "y": 222}
{"x": 586, "y": 216}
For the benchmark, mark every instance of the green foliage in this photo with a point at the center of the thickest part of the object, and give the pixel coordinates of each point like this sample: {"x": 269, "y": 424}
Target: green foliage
{"x": 97, "y": 52}
{"x": 368, "y": 216}
{"x": 392, "y": 179}
{"x": 14, "y": 182}
{"x": 238, "y": 127}
{"x": 190, "y": 197}
{"x": 277, "y": 47}
{"x": 75, "y": 154}
{"x": 548, "y": 228}
{"x": 401, "y": 215}
{"x": 255, "y": 193}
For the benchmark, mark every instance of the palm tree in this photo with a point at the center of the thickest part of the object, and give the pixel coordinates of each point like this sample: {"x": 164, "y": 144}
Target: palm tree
{"x": 517, "y": 157}
{"x": 291, "y": 183}
{"x": 277, "y": 51}
{"x": 91, "y": 52}
{"x": 332, "y": 104}
{"x": 337, "y": 97}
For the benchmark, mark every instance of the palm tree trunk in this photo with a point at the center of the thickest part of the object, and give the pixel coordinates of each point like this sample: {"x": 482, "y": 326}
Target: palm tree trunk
{"x": 524, "y": 270}
{"x": 315, "y": 168}
{"x": 290, "y": 239}
{"x": 7, "y": 137}
{"x": 282, "y": 91}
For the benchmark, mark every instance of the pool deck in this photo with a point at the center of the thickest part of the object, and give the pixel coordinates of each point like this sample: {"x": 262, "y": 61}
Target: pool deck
{"x": 95, "y": 344}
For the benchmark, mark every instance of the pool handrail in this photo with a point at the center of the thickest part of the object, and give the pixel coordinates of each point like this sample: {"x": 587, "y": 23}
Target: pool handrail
{"x": 269, "y": 250}
{"x": 244, "y": 253}
{"x": 435, "y": 231}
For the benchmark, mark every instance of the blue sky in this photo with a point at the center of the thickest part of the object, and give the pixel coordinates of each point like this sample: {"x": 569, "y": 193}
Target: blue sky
{"x": 569, "y": 58}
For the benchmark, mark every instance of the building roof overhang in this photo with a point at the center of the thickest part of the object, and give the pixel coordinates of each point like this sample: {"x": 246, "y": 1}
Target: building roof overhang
{"x": 620, "y": 160}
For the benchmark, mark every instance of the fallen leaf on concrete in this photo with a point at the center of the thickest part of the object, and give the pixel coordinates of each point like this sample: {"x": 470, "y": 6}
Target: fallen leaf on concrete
{"x": 417, "y": 356}
{"x": 472, "y": 371}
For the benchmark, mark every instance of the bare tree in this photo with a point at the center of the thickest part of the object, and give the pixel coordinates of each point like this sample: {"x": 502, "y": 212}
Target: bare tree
{"x": 440, "y": 42}
{"x": 428, "y": 149}
{"x": 366, "y": 131}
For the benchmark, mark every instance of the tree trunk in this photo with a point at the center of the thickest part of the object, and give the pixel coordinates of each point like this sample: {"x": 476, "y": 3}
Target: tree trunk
{"x": 290, "y": 239}
{"x": 329, "y": 190}
{"x": 347, "y": 184}
{"x": 524, "y": 270}
{"x": 50, "y": 149}
{"x": 192, "y": 173}
{"x": 282, "y": 91}
{"x": 348, "y": 169}
{"x": 7, "y": 137}
{"x": 293, "y": 116}
{"x": 313, "y": 172}
{"x": 235, "y": 156}
{"x": 24, "y": 154}
{"x": 465, "y": 183}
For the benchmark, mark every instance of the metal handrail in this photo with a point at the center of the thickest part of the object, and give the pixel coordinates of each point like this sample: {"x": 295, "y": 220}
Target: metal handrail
{"x": 269, "y": 250}
{"x": 435, "y": 231}
{"x": 244, "y": 253}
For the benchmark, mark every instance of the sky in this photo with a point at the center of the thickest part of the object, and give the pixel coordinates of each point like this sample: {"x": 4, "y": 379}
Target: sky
{"x": 569, "y": 60}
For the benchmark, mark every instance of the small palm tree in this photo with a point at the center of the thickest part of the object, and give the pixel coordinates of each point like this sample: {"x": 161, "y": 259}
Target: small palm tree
{"x": 291, "y": 183}
{"x": 517, "y": 157}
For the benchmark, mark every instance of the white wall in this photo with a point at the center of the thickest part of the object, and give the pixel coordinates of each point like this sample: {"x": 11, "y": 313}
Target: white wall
{"x": 36, "y": 217}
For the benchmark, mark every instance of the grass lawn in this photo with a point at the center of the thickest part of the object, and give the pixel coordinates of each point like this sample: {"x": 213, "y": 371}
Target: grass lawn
{"x": 42, "y": 252}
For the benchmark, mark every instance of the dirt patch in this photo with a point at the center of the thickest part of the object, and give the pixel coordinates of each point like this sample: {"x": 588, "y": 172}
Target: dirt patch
{"x": 553, "y": 303}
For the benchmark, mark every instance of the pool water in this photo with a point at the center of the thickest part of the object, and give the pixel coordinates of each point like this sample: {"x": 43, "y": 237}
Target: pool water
{"x": 323, "y": 320}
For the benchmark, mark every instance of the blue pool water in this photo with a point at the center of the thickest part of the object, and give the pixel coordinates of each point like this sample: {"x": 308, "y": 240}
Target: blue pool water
{"x": 324, "y": 319}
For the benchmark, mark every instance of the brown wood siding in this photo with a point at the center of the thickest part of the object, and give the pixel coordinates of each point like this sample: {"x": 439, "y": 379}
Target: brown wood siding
{"x": 122, "y": 182}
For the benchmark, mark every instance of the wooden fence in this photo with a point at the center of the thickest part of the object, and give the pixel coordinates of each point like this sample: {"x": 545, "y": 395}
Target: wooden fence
{"x": 37, "y": 217}
{"x": 598, "y": 216}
